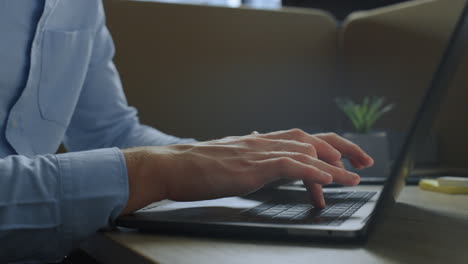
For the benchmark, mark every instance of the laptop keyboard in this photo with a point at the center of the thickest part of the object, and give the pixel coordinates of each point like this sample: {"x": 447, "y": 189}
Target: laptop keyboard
{"x": 340, "y": 206}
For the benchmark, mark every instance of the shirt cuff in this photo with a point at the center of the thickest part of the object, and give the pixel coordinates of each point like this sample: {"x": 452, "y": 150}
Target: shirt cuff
{"x": 94, "y": 191}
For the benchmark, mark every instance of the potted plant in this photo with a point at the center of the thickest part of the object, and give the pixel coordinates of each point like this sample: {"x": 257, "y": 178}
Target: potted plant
{"x": 363, "y": 116}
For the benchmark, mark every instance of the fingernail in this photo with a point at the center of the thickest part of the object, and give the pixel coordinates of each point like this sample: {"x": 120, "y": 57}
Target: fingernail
{"x": 326, "y": 174}
{"x": 356, "y": 177}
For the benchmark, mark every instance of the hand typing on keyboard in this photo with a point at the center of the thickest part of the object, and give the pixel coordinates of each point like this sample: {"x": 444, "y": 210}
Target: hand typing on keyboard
{"x": 235, "y": 166}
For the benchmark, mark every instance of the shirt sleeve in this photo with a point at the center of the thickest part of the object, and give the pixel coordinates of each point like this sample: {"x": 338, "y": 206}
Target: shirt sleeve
{"x": 50, "y": 203}
{"x": 102, "y": 117}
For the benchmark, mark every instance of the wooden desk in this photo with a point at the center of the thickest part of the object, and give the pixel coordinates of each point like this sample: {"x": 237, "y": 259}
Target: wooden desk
{"x": 423, "y": 227}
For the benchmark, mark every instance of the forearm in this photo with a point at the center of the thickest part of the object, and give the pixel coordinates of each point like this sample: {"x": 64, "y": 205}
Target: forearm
{"x": 48, "y": 204}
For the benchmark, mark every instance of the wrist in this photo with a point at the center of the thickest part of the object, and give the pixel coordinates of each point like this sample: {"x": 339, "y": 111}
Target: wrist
{"x": 144, "y": 170}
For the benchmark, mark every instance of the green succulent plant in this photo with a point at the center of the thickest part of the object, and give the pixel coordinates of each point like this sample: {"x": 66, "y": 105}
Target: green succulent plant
{"x": 364, "y": 115}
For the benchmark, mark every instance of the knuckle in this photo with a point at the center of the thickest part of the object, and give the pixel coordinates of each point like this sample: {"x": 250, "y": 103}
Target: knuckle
{"x": 252, "y": 141}
{"x": 332, "y": 135}
{"x": 297, "y": 133}
{"x": 284, "y": 162}
{"x": 310, "y": 149}
{"x": 300, "y": 157}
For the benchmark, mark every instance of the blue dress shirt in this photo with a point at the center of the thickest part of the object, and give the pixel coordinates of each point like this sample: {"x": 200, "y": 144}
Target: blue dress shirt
{"x": 58, "y": 84}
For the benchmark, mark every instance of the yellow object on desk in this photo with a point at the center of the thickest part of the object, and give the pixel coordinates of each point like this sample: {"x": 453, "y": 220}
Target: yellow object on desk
{"x": 450, "y": 185}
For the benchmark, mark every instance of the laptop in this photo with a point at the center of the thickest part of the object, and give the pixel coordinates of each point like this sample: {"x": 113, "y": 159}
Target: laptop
{"x": 286, "y": 212}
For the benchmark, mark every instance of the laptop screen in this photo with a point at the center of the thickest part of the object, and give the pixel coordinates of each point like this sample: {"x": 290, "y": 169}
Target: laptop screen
{"x": 424, "y": 119}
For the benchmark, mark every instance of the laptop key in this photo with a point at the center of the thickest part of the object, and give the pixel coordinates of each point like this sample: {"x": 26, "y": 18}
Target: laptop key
{"x": 284, "y": 216}
{"x": 258, "y": 209}
{"x": 358, "y": 195}
{"x": 302, "y": 207}
{"x": 269, "y": 213}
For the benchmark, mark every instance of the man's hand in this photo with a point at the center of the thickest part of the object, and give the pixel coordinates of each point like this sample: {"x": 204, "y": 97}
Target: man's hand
{"x": 235, "y": 166}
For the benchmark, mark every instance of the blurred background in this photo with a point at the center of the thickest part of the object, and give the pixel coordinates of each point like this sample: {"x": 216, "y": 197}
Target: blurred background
{"x": 209, "y": 69}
